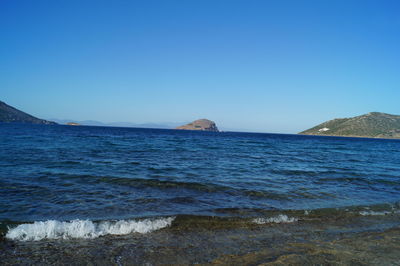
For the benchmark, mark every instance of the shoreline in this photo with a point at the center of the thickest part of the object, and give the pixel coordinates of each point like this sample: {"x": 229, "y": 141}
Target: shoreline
{"x": 218, "y": 218}
{"x": 370, "y": 240}
{"x": 350, "y": 136}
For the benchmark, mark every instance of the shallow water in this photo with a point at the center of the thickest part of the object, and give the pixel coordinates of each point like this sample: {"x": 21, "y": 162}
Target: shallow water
{"x": 63, "y": 183}
{"x": 371, "y": 240}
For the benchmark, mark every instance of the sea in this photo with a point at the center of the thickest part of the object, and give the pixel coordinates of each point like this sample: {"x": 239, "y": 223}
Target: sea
{"x": 138, "y": 196}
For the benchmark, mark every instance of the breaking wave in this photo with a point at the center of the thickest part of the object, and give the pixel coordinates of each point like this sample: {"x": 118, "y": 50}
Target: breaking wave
{"x": 53, "y": 229}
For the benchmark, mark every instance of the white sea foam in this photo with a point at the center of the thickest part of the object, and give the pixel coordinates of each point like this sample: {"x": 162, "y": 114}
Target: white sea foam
{"x": 368, "y": 213}
{"x": 281, "y": 218}
{"x": 84, "y": 229}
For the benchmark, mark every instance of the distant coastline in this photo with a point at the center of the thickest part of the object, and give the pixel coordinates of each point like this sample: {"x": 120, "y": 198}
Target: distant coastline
{"x": 372, "y": 125}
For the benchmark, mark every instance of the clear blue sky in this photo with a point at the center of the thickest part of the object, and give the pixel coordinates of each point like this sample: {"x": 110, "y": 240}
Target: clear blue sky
{"x": 265, "y": 66}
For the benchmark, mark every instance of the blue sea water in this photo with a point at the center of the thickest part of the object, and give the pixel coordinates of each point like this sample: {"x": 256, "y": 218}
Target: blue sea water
{"x": 104, "y": 173}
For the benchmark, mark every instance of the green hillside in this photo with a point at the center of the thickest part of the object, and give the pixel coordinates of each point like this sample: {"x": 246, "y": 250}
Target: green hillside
{"x": 374, "y": 125}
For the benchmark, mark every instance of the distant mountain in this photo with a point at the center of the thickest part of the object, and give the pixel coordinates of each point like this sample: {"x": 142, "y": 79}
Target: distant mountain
{"x": 201, "y": 124}
{"x": 167, "y": 125}
{"x": 374, "y": 125}
{"x": 83, "y": 123}
{"x": 9, "y": 114}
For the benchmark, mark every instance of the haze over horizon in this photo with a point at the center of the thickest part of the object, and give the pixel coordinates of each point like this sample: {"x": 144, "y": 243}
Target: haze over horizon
{"x": 262, "y": 66}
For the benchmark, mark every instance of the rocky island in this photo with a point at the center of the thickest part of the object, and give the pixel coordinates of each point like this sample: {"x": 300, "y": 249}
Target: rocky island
{"x": 371, "y": 125}
{"x": 201, "y": 124}
{"x": 9, "y": 114}
{"x": 72, "y": 124}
